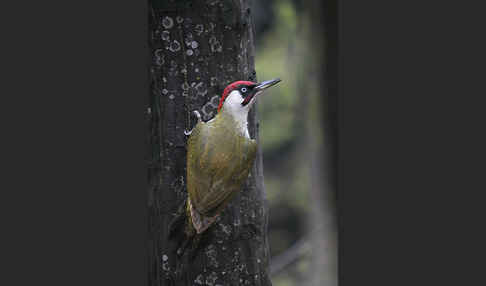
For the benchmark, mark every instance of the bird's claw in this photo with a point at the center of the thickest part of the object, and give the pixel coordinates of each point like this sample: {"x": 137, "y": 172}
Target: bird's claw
{"x": 198, "y": 115}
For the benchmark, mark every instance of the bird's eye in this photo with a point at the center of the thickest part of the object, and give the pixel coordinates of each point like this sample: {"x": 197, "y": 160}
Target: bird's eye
{"x": 243, "y": 89}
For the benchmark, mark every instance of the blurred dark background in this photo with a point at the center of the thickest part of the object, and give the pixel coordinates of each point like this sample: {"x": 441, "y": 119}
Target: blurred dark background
{"x": 288, "y": 44}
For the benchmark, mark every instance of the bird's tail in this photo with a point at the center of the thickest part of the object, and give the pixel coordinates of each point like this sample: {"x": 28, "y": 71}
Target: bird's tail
{"x": 182, "y": 222}
{"x": 181, "y": 229}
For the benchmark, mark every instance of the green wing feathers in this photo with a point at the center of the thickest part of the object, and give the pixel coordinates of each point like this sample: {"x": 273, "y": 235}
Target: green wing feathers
{"x": 218, "y": 163}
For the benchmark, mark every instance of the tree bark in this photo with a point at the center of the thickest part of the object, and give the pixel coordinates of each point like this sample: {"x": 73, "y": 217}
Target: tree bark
{"x": 197, "y": 48}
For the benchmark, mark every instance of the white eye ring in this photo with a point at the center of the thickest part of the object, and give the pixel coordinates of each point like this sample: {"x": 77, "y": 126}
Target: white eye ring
{"x": 243, "y": 89}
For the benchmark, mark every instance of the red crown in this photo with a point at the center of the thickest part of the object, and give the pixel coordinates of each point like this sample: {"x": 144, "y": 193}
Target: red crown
{"x": 230, "y": 88}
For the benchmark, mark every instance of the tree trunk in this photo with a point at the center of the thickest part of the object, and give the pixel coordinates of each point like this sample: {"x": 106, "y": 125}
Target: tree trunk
{"x": 322, "y": 138}
{"x": 198, "y": 47}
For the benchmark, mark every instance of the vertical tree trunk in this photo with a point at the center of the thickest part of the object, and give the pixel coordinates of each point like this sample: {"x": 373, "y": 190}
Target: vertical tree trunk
{"x": 198, "y": 47}
{"x": 322, "y": 138}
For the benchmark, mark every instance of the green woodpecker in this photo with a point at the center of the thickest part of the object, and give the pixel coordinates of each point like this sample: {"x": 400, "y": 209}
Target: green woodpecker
{"x": 220, "y": 155}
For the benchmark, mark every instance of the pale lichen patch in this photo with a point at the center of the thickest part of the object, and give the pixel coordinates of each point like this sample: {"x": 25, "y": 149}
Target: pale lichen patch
{"x": 225, "y": 228}
{"x": 174, "y": 46}
{"x": 211, "y": 253}
{"x": 199, "y": 279}
{"x": 211, "y": 279}
{"x": 167, "y": 22}
{"x": 165, "y": 36}
{"x": 199, "y": 29}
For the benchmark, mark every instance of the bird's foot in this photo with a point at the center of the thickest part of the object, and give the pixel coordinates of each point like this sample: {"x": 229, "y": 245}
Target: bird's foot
{"x": 187, "y": 133}
{"x": 198, "y": 115}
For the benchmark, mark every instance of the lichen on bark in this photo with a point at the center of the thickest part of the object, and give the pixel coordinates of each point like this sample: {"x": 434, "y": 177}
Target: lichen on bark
{"x": 197, "y": 48}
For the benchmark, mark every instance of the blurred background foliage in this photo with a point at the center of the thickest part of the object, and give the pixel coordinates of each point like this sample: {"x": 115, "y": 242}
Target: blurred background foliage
{"x": 283, "y": 40}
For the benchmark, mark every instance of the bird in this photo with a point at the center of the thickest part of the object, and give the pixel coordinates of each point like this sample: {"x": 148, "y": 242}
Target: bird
{"x": 220, "y": 155}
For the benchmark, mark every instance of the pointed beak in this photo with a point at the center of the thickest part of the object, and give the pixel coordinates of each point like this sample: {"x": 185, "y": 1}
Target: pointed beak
{"x": 259, "y": 88}
{"x": 266, "y": 84}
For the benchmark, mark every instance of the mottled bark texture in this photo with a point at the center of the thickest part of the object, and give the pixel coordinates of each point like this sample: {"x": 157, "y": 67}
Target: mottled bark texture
{"x": 197, "y": 48}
